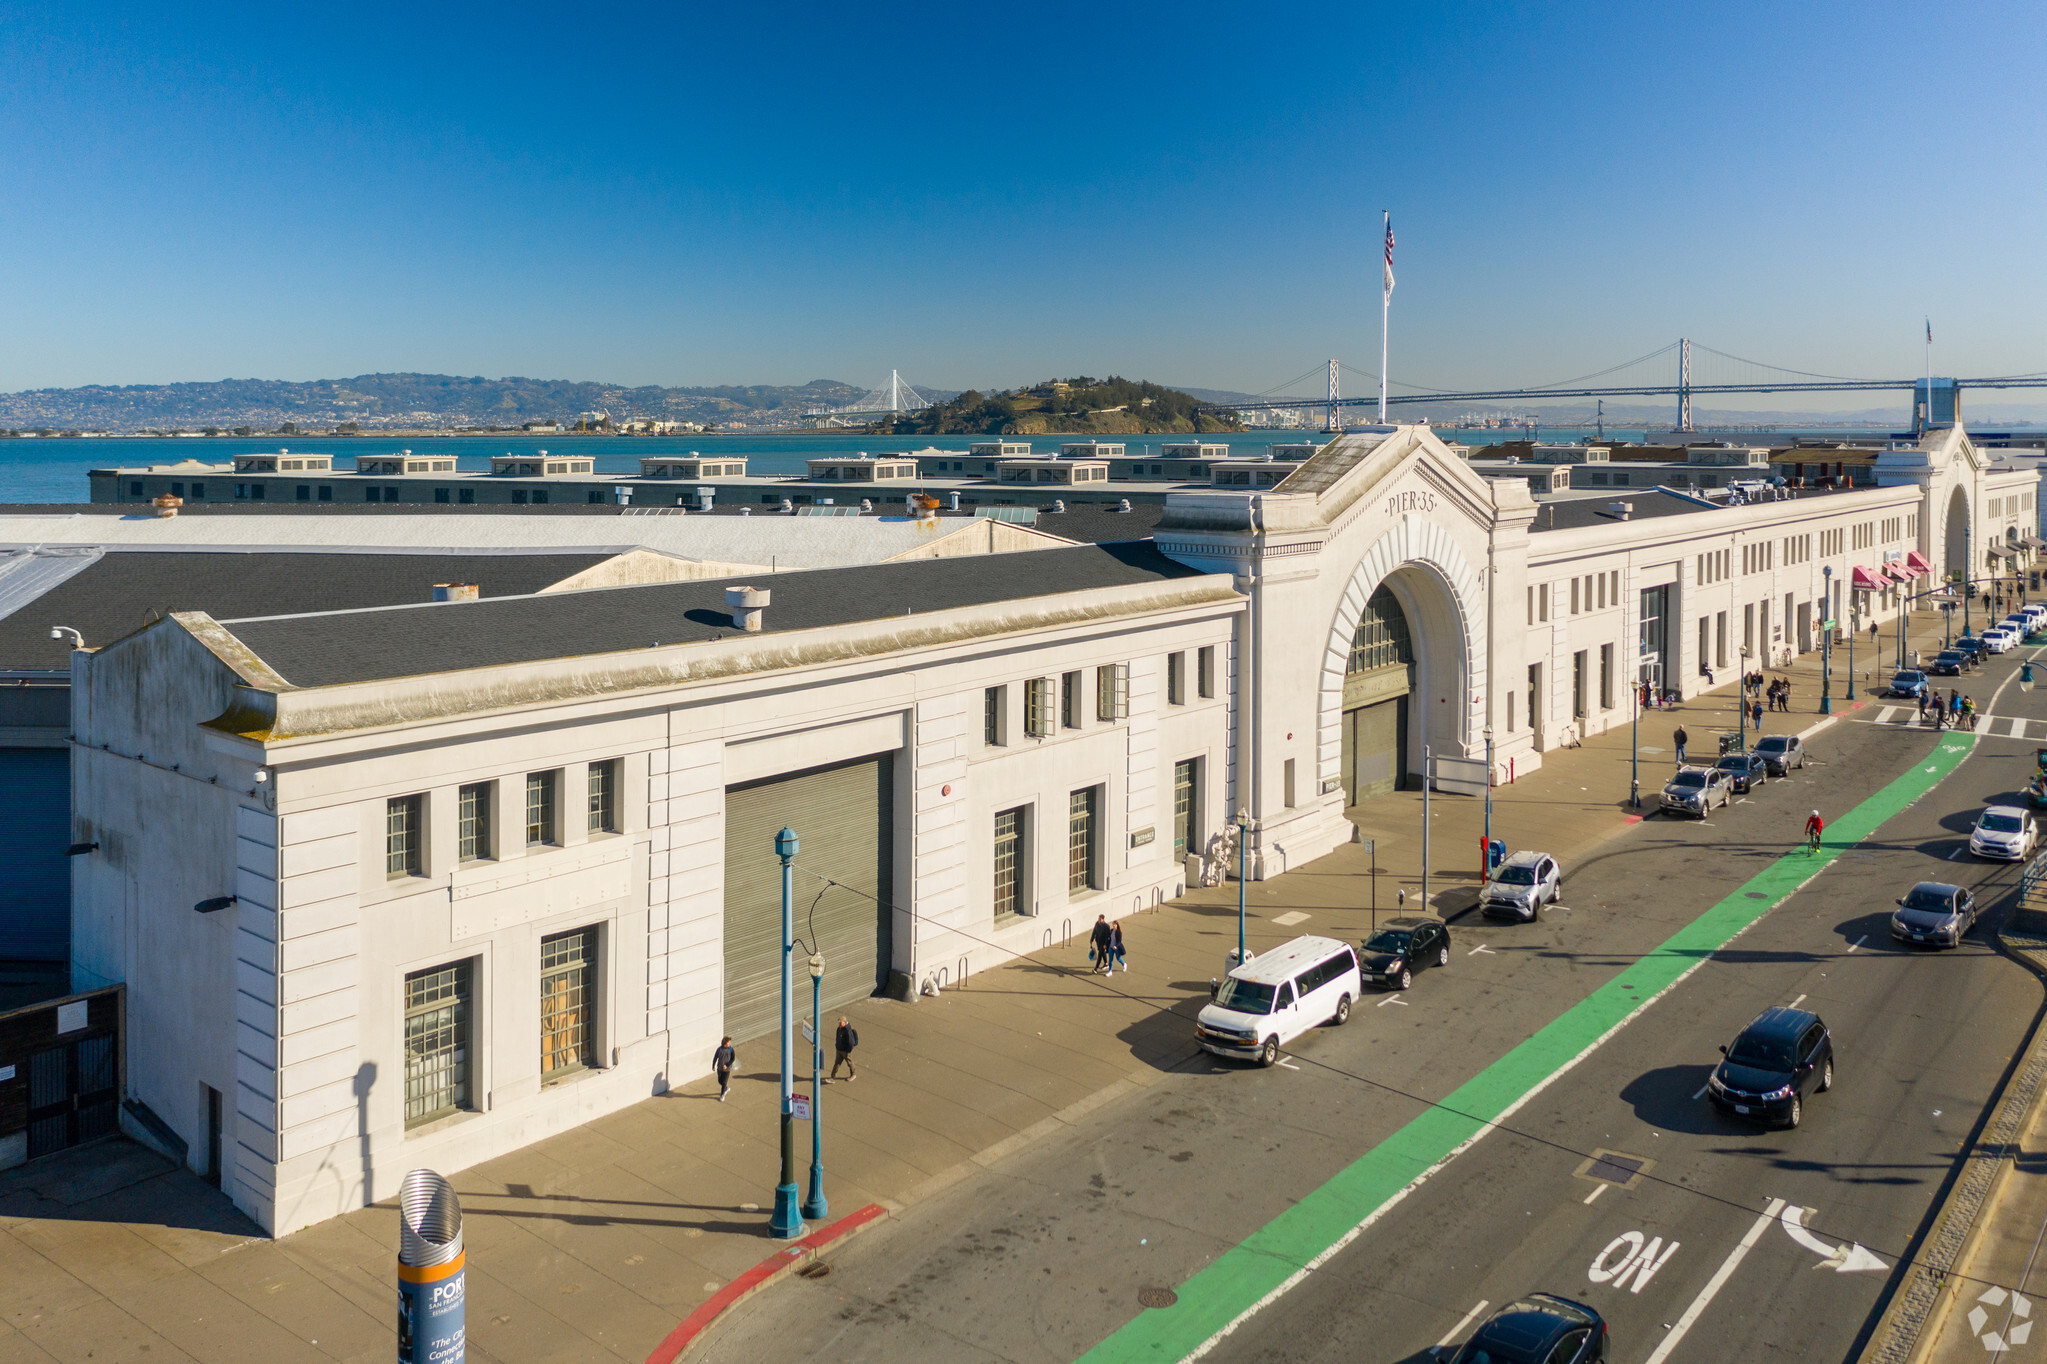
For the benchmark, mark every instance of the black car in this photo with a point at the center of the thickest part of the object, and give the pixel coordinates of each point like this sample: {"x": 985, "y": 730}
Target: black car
{"x": 1780, "y": 753}
{"x": 1948, "y": 663}
{"x": 1402, "y": 947}
{"x": 1770, "y": 1068}
{"x": 1970, "y": 649}
{"x": 1540, "y": 1328}
{"x": 1745, "y": 770}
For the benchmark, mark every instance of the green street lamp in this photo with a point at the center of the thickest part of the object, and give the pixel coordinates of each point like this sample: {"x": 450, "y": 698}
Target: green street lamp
{"x": 815, "y": 1207}
{"x": 787, "y": 1223}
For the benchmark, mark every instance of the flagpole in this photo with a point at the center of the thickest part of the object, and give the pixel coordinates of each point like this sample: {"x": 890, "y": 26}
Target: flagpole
{"x": 1385, "y": 314}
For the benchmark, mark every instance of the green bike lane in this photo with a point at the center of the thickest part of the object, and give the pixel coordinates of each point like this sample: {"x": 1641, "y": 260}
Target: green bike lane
{"x": 1293, "y": 1245}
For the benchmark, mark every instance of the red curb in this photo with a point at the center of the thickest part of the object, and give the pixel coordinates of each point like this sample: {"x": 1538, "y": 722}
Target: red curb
{"x": 757, "y": 1278}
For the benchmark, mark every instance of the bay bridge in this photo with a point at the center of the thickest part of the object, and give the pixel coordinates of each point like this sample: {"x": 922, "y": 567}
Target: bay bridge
{"x": 1688, "y": 370}
{"x": 893, "y": 397}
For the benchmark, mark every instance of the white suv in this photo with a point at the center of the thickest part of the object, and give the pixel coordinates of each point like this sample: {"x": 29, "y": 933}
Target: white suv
{"x": 2000, "y": 640}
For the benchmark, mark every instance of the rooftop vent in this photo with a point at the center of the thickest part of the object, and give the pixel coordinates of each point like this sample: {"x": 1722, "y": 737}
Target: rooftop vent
{"x": 1059, "y": 505}
{"x": 788, "y": 507}
{"x": 706, "y": 498}
{"x": 1122, "y": 504}
{"x": 955, "y": 502}
{"x": 1620, "y": 511}
{"x": 746, "y": 604}
{"x": 457, "y": 591}
{"x": 167, "y": 506}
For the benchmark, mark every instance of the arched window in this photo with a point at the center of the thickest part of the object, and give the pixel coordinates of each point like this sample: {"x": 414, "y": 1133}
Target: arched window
{"x": 1381, "y": 639}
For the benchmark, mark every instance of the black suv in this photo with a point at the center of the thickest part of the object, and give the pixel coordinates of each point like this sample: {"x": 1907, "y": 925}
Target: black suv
{"x": 1948, "y": 663}
{"x": 1746, "y": 771}
{"x": 1773, "y": 1064}
{"x": 1402, "y": 947}
{"x": 1540, "y": 1328}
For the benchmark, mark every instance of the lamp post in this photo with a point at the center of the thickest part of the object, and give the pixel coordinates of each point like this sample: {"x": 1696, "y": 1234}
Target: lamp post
{"x": 1243, "y": 867}
{"x": 787, "y": 1222}
{"x": 1968, "y": 572}
{"x": 1851, "y": 647}
{"x": 1741, "y": 702}
{"x": 1830, "y": 623}
{"x": 1485, "y": 871}
{"x": 815, "y": 1207}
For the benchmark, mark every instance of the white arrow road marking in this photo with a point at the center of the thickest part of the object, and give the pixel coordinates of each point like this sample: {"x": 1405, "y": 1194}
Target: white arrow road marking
{"x": 1447, "y": 1341}
{"x": 1715, "y": 1284}
{"x": 1478, "y": 949}
{"x": 1288, "y": 1064}
{"x": 1844, "y": 1259}
{"x": 1393, "y": 999}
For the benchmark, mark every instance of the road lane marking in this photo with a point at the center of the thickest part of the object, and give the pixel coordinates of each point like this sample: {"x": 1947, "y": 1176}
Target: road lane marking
{"x": 1858, "y": 942}
{"x": 1447, "y": 1341}
{"x": 1393, "y": 999}
{"x": 1290, "y": 918}
{"x": 1641, "y": 1256}
{"x": 1796, "y": 1002}
{"x": 1597, "y": 1190}
{"x": 1480, "y": 948}
{"x": 1242, "y": 1281}
{"x": 1716, "y": 1283}
{"x": 1701, "y": 1094}
{"x": 1883, "y": 717}
{"x": 1288, "y": 1063}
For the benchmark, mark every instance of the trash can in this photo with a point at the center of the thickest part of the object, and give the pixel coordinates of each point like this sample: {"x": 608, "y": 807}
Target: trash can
{"x": 1496, "y": 853}
{"x": 1730, "y": 743}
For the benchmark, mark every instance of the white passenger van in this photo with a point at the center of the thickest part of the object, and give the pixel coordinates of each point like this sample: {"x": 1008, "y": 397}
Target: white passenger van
{"x": 1270, "y": 1000}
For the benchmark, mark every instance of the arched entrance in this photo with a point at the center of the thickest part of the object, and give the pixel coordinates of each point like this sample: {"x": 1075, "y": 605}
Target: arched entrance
{"x": 1405, "y": 681}
{"x": 1957, "y": 533}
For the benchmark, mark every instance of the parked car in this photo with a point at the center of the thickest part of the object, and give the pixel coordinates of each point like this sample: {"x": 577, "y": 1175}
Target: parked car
{"x": 1934, "y": 913}
{"x": 1772, "y": 1065}
{"x": 1520, "y": 886}
{"x": 1782, "y": 752}
{"x": 1908, "y": 683}
{"x": 1949, "y": 663}
{"x": 2000, "y": 640}
{"x": 1268, "y": 1001}
{"x": 1745, "y": 771}
{"x": 1971, "y": 651}
{"x": 1696, "y": 790}
{"x": 1402, "y": 947}
{"x": 1540, "y": 1328}
{"x": 2004, "y": 833}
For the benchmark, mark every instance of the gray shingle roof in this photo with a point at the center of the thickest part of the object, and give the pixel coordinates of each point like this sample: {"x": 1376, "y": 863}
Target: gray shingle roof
{"x": 360, "y": 646}
{"x": 120, "y": 593}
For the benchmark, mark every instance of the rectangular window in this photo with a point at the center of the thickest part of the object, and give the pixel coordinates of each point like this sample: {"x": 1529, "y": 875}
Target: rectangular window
{"x": 326, "y": 493}
{"x": 1112, "y": 692}
{"x": 994, "y": 705}
{"x": 1510, "y": 712}
{"x": 540, "y": 806}
{"x": 436, "y": 1042}
{"x": 1542, "y": 602}
{"x": 1720, "y": 639}
{"x": 256, "y": 490}
{"x": 1176, "y": 679}
{"x": 1204, "y": 671}
{"x": 404, "y": 836}
{"x": 603, "y": 811}
{"x": 465, "y": 494}
{"x": 472, "y": 822}
{"x": 1186, "y": 807}
{"x": 1080, "y": 839}
{"x": 1574, "y": 596}
{"x": 1039, "y": 714}
{"x": 303, "y": 492}
{"x": 568, "y": 987}
{"x": 1009, "y": 837}
{"x": 1287, "y": 783}
{"x": 1069, "y": 700}
{"x": 1578, "y": 684}
{"x": 1605, "y": 680}
{"x": 441, "y": 495}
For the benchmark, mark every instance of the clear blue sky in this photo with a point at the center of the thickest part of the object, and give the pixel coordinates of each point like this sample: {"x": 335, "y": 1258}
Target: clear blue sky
{"x": 732, "y": 194}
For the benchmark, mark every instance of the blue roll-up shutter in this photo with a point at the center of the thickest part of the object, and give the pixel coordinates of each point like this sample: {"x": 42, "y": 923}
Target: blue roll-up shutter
{"x": 35, "y": 828}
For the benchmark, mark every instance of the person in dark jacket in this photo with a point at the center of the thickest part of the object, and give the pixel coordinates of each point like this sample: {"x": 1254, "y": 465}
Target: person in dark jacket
{"x": 1678, "y": 738}
{"x": 722, "y": 1061}
{"x": 1100, "y": 941}
{"x": 843, "y": 1042}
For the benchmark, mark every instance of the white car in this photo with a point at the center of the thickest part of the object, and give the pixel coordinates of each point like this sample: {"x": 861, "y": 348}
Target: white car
{"x": 2003, "y": 832}
{"x": 2000, "y": 640}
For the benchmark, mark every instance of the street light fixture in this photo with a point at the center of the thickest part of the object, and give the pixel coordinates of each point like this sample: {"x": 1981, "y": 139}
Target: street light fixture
{"x": 1485, "y": 870}
{"x": 815, "y": 1207}
{"x": 1243, "y": 868}
{"x": 1827, "y": 639}
{"x": 787, "y": 1222}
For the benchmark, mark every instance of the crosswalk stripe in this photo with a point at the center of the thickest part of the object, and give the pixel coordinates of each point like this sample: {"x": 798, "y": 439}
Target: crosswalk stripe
{"x": 1883, "y": 717}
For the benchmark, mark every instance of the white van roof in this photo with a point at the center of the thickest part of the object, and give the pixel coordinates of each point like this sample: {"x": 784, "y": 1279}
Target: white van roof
{"x": 1288, "y": 960}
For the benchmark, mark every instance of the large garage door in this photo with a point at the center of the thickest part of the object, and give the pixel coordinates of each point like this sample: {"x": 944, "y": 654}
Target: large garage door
{"x": 35, "y": 828}
{"x": 843, "y": 818}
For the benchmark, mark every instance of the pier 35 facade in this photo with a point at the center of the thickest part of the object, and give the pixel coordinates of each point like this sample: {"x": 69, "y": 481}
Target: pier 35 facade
{"x": 418, "y": 885}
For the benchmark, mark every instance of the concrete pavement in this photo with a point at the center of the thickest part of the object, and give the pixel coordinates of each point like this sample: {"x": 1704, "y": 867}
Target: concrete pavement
{"x": 595, "y": 1243}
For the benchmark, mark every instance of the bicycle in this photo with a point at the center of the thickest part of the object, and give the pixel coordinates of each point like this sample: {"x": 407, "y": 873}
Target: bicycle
{"x": 1812, "y": 842}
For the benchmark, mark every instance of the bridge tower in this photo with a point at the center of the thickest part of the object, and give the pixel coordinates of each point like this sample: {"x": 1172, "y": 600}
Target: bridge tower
{"x": 1684, "y": 384}
{"x": 1332, "y": 424}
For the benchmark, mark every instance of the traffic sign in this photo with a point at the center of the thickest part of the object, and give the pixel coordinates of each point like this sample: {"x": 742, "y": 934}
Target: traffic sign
{"x": 799, "y": 1107}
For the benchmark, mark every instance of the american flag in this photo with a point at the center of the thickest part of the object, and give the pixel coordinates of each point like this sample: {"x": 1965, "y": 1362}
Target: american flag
{"x": 1389, "y": 254}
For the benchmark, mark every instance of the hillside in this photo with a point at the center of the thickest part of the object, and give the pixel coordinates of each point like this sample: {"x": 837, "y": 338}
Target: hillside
{"x": 409, "y": 401}
{"x": 1081, "y": 407}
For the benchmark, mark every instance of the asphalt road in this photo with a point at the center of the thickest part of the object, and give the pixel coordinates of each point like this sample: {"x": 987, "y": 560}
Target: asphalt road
{"x": 1044, "y": 1256}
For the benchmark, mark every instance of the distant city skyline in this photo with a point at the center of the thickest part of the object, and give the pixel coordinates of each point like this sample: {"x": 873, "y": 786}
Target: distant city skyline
{"x": 1190, "y": 195}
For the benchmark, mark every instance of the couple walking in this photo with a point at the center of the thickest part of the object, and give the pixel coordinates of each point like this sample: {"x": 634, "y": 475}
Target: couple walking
{"x": 843, "y": 1043}
{"x": 1105, "y": 948}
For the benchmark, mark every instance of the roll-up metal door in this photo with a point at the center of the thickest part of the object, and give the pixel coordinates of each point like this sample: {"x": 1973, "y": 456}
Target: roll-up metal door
{"x": 843, "y": 818}
{"x": 35, "y": 827}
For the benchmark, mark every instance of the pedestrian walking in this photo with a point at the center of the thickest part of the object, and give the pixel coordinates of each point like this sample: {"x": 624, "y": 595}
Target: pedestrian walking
{"x": 843, "y": 1042}
{"x": 722, "y": 1061}
{"x": 1099, "y": 940}
{"x": 1116, "y": 953}
{"x": 1784, "y": 697}
{"x": 1756, "y": 715}
{"x": 1678, "y": 738}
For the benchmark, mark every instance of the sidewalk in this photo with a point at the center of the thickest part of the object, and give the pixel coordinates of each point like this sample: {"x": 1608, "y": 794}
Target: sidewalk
{"x": 596, "y": 1243}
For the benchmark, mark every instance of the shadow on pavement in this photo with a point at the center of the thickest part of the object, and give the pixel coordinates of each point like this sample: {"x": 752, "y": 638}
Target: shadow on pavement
{"x": 116, "y": 1180}
{"x": 1663, "y": 1098}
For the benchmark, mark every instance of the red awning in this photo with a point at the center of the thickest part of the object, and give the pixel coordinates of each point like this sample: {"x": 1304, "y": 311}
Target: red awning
{"x": 1865, "y": 581}
{"x": 1917, "y": 564}
{"x": 1899, "y": 572}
